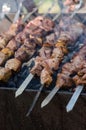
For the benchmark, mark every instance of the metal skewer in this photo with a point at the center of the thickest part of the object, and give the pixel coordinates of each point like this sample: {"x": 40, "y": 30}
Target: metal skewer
{"x": 35, "y": 100}
{"x": 24, "y": 85}
{"x": 50, "y": 96}
{"x": 18, "y": 12}
{"x": 74, "y": 98}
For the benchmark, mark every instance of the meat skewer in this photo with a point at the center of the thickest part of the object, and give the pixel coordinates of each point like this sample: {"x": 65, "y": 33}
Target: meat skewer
{"x": 18, "y": 92}
{"x": 46, "y": 49}
{"x": 27, "y": 49}
{"x": 80, "y": 81}
{"x": 64, "y": 78}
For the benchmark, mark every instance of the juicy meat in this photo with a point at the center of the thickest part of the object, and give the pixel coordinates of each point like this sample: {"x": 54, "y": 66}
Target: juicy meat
{"x": 13, "y": 64}
{"x": 38, "y": 26}
{"x": 75, "y": 71}
{"x": 13, "y": 45}
{"x": 3, "y": 58}
{"x": 46, "y": 51}
{"x": 63, "y": 80}
{"x": 24, "y": 53}
{"x": 53, "y": 63}
{"x": 38, "y": 66}
{"x": 30, "y": 44}
{"x": 5, "y": 74}
{"x": 7, "y": 52}
{"x": 46, "y": 77}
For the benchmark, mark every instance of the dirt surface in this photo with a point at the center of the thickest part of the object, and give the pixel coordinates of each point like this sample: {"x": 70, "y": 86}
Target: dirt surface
{"x": 52, "y": 117}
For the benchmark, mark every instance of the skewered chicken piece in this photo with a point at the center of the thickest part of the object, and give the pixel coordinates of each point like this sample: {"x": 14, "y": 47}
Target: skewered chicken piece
{"x": 65, "y": 78}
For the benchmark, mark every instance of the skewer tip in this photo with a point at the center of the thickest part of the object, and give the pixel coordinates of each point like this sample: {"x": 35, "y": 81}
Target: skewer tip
{"x": 68, "y": 109}
{"x": 16, "y": 95}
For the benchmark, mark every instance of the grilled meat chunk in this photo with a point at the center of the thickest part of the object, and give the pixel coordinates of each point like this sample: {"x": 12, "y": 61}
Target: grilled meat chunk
{"x": 13, "y": 45}
{"x": 46, "y": 77}
{"x": 13, "y": 64}
{"x": 5, "y": 74}
{"x": 7, "y": 52}
{"x": 3, "y": 58}
{"x": 39, "y": 26}
{"x": 46, "y": 51}
{"x": 24, "y": 53}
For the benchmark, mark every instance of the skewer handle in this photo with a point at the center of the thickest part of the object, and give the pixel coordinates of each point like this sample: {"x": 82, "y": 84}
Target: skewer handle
{"x": 35, "y": 100}
{"x": 18, "y": 12}
{"x": 74, "y": 98}
{"x": 49, "y": 97}
{"x": 24, "y": 85}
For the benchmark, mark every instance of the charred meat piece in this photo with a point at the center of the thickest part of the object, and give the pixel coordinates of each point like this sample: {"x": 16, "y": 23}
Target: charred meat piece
{"x": 5, "y": 74}
{"x": 13, "y": 45}
{"x": 13, "y": 64}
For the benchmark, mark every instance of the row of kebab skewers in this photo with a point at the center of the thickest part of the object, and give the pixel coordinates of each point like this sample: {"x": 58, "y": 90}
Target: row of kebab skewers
{"x": 21, "y": 45}
{"x": 51, "y": 43}
{"x": 51, "y": 55}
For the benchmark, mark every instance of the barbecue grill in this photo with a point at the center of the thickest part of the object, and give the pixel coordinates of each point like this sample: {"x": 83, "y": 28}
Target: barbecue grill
{"x": 17, "y": 79}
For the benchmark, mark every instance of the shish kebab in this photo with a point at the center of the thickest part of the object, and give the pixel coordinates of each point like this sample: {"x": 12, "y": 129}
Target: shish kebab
{"x": 45, "y": 68}
{"x": 42, "y": 25}
{"x": 27, "y": 49}
{"x": 70, "y": 74}
{"x": 25, "y": 83}
{"x": 79, "y": 80}
{"x": 64, "y": 35}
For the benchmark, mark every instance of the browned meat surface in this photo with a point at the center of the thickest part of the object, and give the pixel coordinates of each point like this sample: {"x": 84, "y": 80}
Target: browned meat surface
{"x": 19, "y": 37}
{"x": 2, "y": 43}
{"x": 7, "y": 52}
{"x": 46, "y": 77}
{"x": 76, "y": 68}
{"x": 13, "y": 45}
{"x": 24, "y": 53}
{"x": 80, "y": 78}
{"x": 5, "y": 74}
{"x": 30, "y": 43}
{"x": 46, "y": 51}
{"x": 38, "y": 26}
{"x": 13, "y": 64}
{"x": 3, "y": 58}
{"x": 38, "y": 66}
